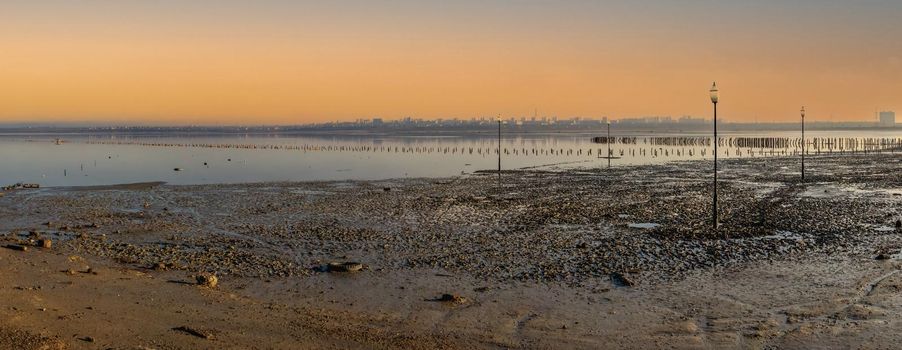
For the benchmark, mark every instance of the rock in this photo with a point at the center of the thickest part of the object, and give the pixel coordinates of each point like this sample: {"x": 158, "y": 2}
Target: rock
{"x": 209, "y": 281}
{"x": 45, "y": 243}
{"x": 20, "y": 248}
{"x": 622, "y": 280}
{"x": 386, "y": 189}
{"x": 451, "y": 298}
{"x": 898, "y": 224}
{"x": 87, "y": 339}
{"x": 349, "y": 266}
{"x": 883, "y": 256}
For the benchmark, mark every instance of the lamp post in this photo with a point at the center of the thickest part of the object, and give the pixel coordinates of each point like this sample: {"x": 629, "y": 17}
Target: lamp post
{"x": 803, "y": 143}
{"x": 714, "y": 99}
{"x": 499, "y": 149}
{"x": 609, "y": 144}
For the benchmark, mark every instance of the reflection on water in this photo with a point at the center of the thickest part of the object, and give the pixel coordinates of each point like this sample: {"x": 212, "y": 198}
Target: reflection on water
{"x": 194, "y": 159}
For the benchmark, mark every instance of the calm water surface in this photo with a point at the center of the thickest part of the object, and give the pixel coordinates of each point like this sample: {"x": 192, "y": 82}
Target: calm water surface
{"x": 105, "y": 159}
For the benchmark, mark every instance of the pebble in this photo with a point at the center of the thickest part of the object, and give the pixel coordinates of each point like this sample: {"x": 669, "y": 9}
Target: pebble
{"x": 344, "y": 267}
{"x": 208, "y": 280}
{"x": 18, "y": 247}
{"x": 451, "y": 298}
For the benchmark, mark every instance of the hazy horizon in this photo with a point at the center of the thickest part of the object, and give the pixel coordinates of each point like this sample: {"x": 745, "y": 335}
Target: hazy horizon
{"x": 283, "y": 63}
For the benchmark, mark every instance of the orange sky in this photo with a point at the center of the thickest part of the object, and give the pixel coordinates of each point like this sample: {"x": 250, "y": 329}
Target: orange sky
{"x": 285, "y": 62}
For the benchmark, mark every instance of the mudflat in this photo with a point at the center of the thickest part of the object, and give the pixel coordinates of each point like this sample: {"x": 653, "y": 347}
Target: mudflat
{"x": 622, "y": 257}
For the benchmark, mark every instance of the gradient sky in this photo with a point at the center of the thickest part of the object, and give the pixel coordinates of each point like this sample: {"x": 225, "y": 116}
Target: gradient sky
{"x": 285, "y": 62}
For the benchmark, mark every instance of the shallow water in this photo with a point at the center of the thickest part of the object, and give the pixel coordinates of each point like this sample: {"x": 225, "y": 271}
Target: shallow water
{"x": 82, "y": 159}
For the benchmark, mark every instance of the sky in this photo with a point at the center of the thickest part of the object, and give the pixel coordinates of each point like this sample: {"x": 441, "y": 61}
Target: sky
{"x": 292, "y": 62}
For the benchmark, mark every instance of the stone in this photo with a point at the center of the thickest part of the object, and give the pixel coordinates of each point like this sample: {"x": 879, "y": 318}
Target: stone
{"x": 210, "y": 281}
{"x": 451, "y": 298}
{"x": 20, "y": 248}
{"x": 621, "y": 279}
{"x": 344, "y": 267}
{"x": 45, "y": 243}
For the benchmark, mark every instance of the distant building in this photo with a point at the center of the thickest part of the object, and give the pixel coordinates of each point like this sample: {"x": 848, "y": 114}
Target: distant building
{"x": 887, "y": 118}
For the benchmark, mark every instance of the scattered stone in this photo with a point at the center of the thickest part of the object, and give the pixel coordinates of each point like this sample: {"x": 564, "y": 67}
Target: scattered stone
{"x": 575, "y": 238}
{"x": 45, "y": 243}
{"x": 27, "y": 288}
{"x": 208, "y": 280}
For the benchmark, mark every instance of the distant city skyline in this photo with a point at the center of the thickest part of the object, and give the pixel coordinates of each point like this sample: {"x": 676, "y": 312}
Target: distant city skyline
{"x": 277, "y": 62}
{"x": 885, "y": 119}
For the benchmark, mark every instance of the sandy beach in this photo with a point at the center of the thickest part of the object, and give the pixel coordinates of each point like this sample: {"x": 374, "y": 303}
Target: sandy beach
{"x": 545, "y": 258}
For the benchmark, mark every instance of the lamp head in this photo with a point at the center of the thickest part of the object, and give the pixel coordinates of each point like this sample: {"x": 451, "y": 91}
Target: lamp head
{"x": 803, "y": 111}
{"x": 714, "y": 93}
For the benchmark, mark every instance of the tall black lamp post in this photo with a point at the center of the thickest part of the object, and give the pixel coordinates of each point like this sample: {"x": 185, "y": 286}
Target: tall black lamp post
{"x": 804, "y": 145}
{"x": 609, "y": 144}
{"x": 714, "y": 99}
{"x": 499, "y": 150}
